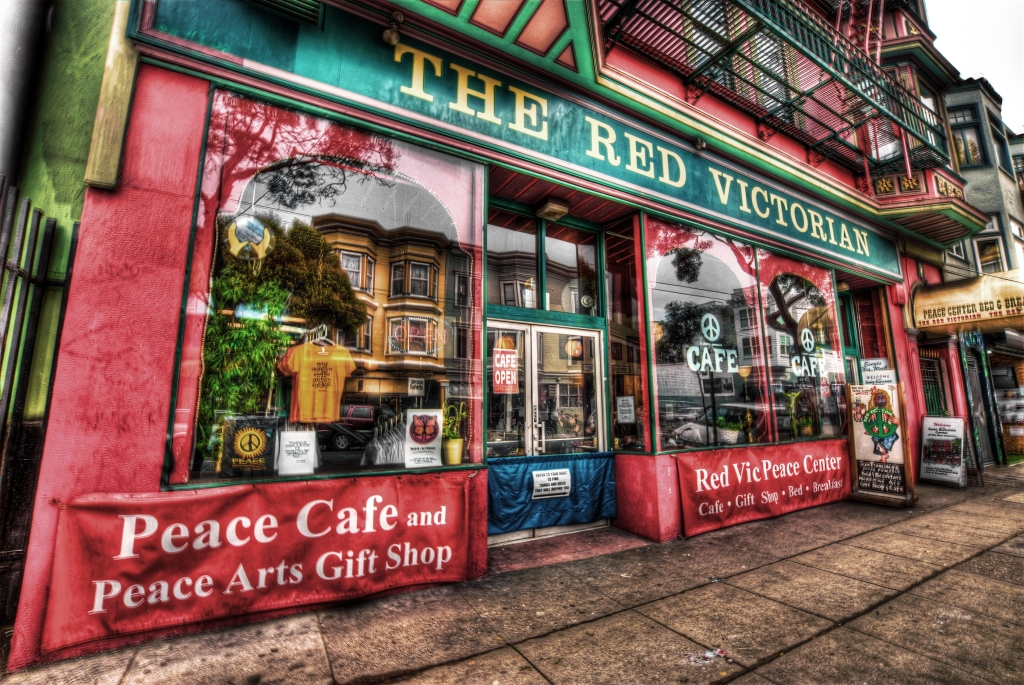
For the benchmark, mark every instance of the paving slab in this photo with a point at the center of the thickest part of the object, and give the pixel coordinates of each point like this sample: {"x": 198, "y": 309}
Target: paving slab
{"x": 846, "y": 519}
{"x": 990, "y": 524}
{"x": 285, "y": 650}
{"x": 401, "y": 634}
{"x": 503, "y": 666}
{"x": 773, "y": 539}
{"x": 887, "y": 570}
{"x": 966, "y": 640}
{"x": 559, "y": 548}
{"x": 845, "y": 656}
{"x": 624, "y": 648}
{"x": 981, "y": 594}
{"x": 99, "y": 669}
{"x": 535, "y": 602}
{"x": 824, "y": 594}
{"x": 1013, "y": 546}
{"x": 932, "y": 528}
{"x": 990, "y": 508}
{"x": 1005, "y": 567}
{"x": 912, "y": 547}
{"x": 639, "y": 576}
{"x": 747, "y": 626}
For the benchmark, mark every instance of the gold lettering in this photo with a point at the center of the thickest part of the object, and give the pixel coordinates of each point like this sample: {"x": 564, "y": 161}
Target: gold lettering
{"x": 862, "y": 242}
{"x": 792, "y": 217}
{"x": 666, "y": 167}
{"x": 780, "y": 203}
{"x": 744, "y": 207}
{"x": 641, "y": 154}
{"x": 464, "y": 91}
{"x": 597, "y": 140}
{"x": 753, "y": 200}
{"x": 418, "y": 59}
{"x": 523, "y": 113}
{"x": 844, "y": 238}
{"x": 816, "y": 222}
{"x": 831, "y": 231}
{"x": 723, "y": 193}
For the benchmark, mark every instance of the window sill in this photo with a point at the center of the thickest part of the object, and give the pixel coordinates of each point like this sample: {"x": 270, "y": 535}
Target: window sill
{"x": 228, "y": 482}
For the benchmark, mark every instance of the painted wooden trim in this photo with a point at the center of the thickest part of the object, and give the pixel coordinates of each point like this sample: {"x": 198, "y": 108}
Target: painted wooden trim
{"x": 108, "y": 133}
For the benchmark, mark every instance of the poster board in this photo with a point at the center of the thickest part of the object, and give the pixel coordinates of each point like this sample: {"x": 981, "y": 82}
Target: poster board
{"x": 942, "y": 450}
{"x": 422, "y": 443}
{"x": 878, "y": 463}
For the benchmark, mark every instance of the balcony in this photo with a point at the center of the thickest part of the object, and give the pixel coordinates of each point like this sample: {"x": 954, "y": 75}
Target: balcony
{"x": 788, "y": 67}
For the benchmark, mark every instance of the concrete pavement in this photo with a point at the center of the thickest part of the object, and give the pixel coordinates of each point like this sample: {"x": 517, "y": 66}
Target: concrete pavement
{"x": 845, "y": 593}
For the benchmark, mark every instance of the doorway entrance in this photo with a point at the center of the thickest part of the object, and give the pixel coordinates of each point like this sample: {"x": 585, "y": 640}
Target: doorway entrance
{"x": 545, "y": 389}
{"x": 979, "y": 414}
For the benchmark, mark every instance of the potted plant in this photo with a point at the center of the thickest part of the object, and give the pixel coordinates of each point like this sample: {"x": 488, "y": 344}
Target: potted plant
{"x": 451, "y": 431}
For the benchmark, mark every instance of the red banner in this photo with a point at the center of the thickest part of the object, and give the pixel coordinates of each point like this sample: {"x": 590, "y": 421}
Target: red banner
{"x": 724, "y": 487}
{"x": 131, "y": 563}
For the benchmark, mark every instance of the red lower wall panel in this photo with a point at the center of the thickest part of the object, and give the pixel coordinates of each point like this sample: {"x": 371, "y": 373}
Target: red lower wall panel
{"x": 647, "y": 496}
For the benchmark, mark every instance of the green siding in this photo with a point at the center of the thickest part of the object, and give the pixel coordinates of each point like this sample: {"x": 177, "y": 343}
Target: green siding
{"x": 57, "y": 147}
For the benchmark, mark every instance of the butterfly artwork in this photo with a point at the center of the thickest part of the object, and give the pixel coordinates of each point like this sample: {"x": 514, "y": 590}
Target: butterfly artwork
{"x": 424, "y": 428}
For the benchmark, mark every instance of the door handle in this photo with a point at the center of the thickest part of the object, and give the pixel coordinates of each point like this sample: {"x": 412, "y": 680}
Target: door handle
{"x": 543, "y": 437}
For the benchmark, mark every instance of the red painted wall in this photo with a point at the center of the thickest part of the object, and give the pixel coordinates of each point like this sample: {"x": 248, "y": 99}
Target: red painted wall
{"x": 112, "y": 389}
{"x": 647, "y": 496}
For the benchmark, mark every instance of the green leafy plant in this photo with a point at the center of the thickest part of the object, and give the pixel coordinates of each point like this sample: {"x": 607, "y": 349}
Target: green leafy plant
{"x": 300, "y": 277}
{"x": 722, "y": 423}
{"x": 451, "y": 424}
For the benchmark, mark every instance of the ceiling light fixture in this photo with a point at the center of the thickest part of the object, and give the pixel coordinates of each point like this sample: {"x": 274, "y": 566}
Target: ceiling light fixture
{"x": 553, "y": 209}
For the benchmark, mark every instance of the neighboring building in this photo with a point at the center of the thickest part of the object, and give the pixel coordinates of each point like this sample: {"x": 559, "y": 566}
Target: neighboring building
{"x": 982, "y": 151}
{"x": 648, "y": 244}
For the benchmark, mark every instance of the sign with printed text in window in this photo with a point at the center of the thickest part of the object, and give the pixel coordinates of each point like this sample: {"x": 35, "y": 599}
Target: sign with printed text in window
{"x": 552, "y": 483}
{"x": 506, "y": 371}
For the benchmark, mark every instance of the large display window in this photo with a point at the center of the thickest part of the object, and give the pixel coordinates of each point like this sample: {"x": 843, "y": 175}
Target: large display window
{"x": 334, "y": 311}
{"x": 710, "y": 370}
{"x": 803, "y": 344}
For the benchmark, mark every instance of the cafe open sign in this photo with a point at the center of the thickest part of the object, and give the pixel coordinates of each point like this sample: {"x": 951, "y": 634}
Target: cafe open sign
{"x": 506, "y": 372}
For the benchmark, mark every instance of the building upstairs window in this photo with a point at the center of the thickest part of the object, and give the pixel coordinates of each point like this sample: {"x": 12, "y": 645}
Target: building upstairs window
{"x": 967, "y": 141}
{"x": 413, "y": 279}
{"x": 990, "y": 256}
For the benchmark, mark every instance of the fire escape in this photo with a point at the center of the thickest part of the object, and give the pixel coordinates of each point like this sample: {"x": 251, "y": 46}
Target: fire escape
{"x": 815, "y": 79}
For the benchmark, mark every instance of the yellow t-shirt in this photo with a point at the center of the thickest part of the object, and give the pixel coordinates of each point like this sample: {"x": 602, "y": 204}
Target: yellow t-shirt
{"x": 319, "y": 384}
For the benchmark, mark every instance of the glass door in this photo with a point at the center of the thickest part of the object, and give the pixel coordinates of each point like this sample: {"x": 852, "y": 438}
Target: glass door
{"x": 543, "y": 385}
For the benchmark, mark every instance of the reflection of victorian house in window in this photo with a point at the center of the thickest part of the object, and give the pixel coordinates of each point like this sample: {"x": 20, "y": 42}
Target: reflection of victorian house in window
{"x": 401, "y": 276}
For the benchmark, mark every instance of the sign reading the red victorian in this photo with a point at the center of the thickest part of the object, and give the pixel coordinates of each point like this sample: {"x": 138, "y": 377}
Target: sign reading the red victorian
{"x": 132, "y": 563}
{"x": 732, "y": 486}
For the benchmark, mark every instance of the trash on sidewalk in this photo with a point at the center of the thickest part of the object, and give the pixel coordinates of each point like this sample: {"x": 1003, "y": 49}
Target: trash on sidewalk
{"x": 707, "y": 656}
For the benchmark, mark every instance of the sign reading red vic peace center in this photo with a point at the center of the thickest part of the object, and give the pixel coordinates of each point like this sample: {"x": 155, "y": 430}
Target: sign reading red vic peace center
{"x": 132, "y": 563}
{"x": 723, "y": 488}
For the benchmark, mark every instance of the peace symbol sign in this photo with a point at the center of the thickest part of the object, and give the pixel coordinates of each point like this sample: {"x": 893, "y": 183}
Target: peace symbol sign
{"x": 807, "y": 339}
{"x": 710, "y": 327}
{"x": 251, "y": 442}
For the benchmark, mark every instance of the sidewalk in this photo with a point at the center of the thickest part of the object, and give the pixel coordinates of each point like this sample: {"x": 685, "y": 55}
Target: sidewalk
{"x": 845, "y": 593}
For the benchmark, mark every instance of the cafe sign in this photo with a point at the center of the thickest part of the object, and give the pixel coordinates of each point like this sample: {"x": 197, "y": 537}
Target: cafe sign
{"x": 989, "y": 304}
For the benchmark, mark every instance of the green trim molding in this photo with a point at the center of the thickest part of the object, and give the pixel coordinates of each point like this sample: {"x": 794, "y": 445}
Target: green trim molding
{"x": 537, "y": 122}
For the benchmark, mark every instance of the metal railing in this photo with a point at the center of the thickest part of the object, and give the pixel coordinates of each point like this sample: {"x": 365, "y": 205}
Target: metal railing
{"x": 790, "y": 69}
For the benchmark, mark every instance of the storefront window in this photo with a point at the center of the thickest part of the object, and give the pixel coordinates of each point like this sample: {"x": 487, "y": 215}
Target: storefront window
{"x": 630, "y": 418}
{"x": 710, "y": 377}
{"x": 807, "y": 372}
{"x": 294, "y": 362}
{"x": 511, "y": 260}
{"x": 570, "y": 270}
